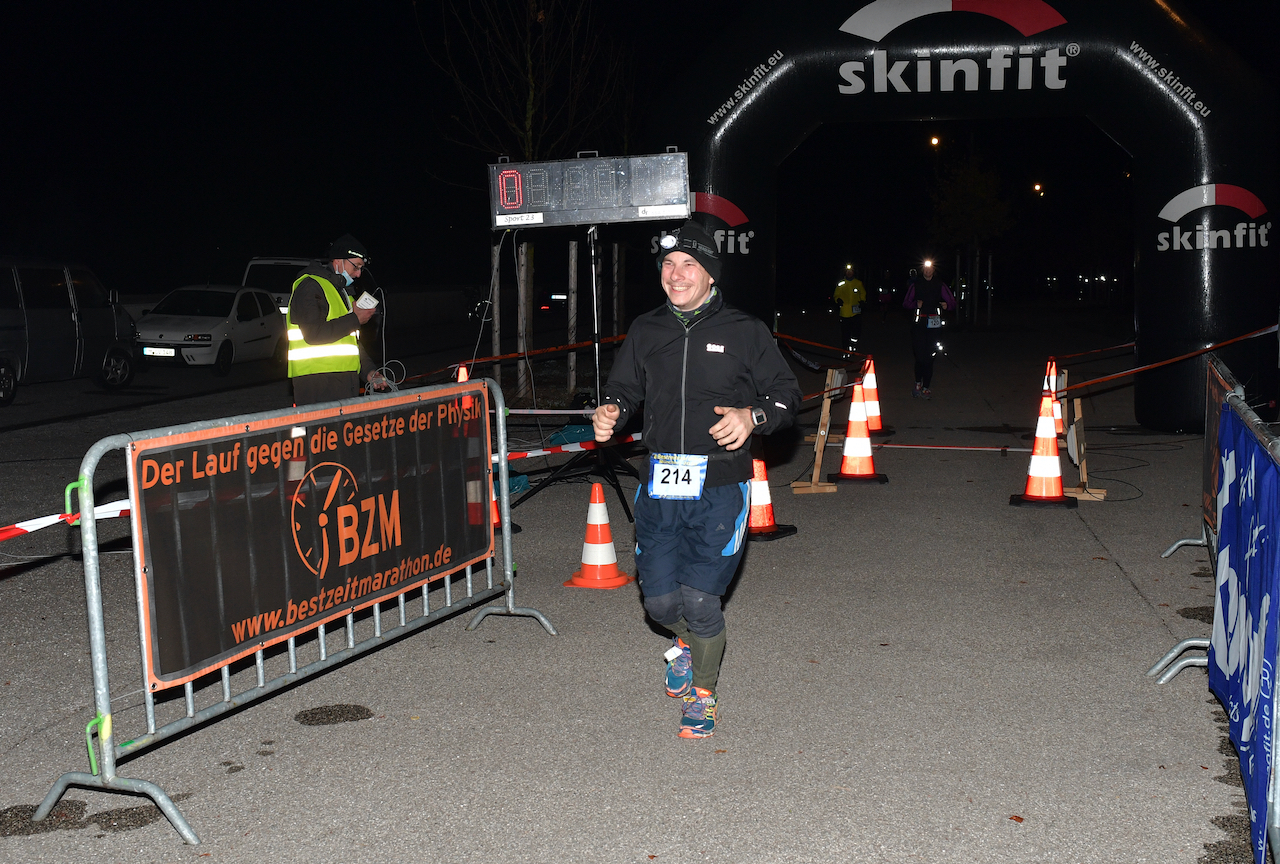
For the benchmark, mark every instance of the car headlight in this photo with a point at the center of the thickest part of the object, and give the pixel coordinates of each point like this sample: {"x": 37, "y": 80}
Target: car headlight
{"x": 200, "y": 337}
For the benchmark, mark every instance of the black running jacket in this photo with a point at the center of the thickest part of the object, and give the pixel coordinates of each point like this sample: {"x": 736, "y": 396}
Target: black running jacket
{"x": 723, "y": 357}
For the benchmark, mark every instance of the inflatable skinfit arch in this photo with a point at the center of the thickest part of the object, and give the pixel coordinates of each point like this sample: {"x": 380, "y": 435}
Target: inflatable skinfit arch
{"x": 1199, "y": 126}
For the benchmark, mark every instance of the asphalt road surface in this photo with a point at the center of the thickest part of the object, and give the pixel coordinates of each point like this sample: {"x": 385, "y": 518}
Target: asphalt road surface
{"x": 922, "y": 673}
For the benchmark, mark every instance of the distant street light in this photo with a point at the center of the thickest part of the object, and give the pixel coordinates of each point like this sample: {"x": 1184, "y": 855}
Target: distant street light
{"x": 1039, "y": 189}
{"x": 934, "y": 140}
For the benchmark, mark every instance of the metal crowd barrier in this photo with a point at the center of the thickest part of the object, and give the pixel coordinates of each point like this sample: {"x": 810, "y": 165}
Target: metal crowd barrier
{"x": 1220, "y": 386}
{"x": 239, "y": 681}
{"x": 1240, "y": 492}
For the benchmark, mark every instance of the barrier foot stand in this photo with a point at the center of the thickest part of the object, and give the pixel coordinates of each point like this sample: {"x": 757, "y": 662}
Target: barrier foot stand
{"x": 815, "y": 484}
{"x": 1175, "y": 668}
{"x": 511, "y": 609}
{"x": 1188, "y": 541}
{"x": 514, "y": 611}
{"x": 1076, "y": 438}
{"x": 119, "y": 784}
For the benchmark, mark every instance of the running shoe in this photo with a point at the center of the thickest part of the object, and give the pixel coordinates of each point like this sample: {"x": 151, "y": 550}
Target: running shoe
{"x": 926, "y": 393}
{"x": 918, "y": 392}
{"x": 679, "y": 669}
{"x": 699, "y": 719}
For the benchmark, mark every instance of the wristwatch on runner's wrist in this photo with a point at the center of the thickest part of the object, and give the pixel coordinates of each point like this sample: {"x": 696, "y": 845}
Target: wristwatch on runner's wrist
{"x": 757, "y": 416}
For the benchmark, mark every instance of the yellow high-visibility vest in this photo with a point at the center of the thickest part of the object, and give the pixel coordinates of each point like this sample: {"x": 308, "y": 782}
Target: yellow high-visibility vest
{"x": 340, "y": 356}
{"x": 848, "y": 294}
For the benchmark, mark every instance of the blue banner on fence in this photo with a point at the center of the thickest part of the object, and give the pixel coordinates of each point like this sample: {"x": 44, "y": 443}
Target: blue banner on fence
{"x": 1242, "y": 653}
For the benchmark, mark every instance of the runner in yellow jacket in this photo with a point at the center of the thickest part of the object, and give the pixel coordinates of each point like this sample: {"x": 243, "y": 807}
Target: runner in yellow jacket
{"x": 849, "y": 296}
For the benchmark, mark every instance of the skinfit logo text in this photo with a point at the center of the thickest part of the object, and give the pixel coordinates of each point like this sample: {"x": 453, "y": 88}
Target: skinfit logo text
{"x": 1005, "y": 68}
{"x": 1204, "y": 237}
{"x": 1242, "y": 234}
{"x": 727, "y": 242}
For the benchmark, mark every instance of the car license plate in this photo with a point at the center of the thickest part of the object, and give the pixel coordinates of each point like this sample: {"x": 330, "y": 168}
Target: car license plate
{"x": 158, "y": 352}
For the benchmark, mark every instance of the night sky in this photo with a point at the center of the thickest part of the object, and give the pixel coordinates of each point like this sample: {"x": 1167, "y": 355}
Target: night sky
{"x": 167, "y": 143}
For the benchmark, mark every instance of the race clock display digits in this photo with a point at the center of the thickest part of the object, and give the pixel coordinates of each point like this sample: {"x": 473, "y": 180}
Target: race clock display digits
{"x": 589, "y": 191}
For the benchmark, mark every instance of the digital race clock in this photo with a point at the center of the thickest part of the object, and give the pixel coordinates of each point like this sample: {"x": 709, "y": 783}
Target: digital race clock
{"x": 590, "y": 191}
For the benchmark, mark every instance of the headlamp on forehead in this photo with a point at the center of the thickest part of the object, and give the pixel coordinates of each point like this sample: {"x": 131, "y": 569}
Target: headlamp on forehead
{"x": 675, "y": 243}
{"x": 692, "y": 239}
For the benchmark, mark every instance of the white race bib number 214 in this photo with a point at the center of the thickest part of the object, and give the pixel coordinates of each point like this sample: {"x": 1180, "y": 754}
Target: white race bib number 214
{"x": 677, "y": 476}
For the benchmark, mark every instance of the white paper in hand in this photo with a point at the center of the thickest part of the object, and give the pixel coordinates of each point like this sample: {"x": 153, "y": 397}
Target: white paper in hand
{"x": 367, "y": 301}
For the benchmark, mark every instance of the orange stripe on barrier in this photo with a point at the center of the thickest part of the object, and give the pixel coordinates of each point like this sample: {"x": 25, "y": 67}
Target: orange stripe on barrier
{"x": 1264, "y": 331}
{"x": 953, "y": 447}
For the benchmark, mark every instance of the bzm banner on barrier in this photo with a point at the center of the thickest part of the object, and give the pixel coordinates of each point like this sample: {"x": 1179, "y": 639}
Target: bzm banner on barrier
{"x": 251, "y": 534}
{"x": 1242, "y": 651}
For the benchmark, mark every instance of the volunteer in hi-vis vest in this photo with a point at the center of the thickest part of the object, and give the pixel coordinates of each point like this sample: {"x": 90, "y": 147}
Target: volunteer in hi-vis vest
{"x": 325, "y": 360}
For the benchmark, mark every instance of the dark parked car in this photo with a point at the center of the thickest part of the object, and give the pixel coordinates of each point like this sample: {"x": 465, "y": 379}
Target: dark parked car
{"x": 58, "y": 322}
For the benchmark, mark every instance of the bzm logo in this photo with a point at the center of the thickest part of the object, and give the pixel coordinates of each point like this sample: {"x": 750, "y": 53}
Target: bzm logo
{"x": 1204, "y": 236}
{"x": 328, "y": 514}
{"x": 876, "y": 20}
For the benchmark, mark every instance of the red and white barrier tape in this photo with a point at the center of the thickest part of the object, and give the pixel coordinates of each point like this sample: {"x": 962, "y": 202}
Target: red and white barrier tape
{"x": 564, "y": 448}
{"x": 102, "y": 511}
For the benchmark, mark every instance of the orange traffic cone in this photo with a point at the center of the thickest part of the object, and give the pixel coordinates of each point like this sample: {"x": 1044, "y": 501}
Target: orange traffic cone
{"x": 760, "y": 525}
{"x": 495, "y": 516}
{"x": 1051, "y": 384}
{"x": 599, "y": 559}
{"x": 1044, "y": 477}
{"x": 871, "y": 394}
{"x": 857, "y": 464}
{"x": 297, "y": 468}
{"x": 463, "y": 377}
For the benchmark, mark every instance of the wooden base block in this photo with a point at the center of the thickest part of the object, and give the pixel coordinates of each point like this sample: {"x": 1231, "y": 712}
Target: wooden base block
{"x": 1083, "y": 493}
{"x": 804, "y": 487}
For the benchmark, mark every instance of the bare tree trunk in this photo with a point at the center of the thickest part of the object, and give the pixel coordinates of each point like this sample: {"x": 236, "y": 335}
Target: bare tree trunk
{"x": 495, "y": 309}
{"x": 619, "y": 259}
{"x": 597, "y": 288}
{"x": 524, "y": 319}
{"x": 955, "y": 289}
{"x": 991, "y": 285}
{"x": 977, "y": 280}
{"x": 572, "y": 335}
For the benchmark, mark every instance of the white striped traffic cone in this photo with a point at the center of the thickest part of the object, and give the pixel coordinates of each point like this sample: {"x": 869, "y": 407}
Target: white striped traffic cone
{"x": 871, "y": 395}
{"x": 599, "y": 558}
{"x": 761, "y": 525}
{"x": 495, "y": 516}
{"x": 856, "y": 463}
{"x": 1051, "y": 384}
{"x": 463, "y": 377}
{"x": 1044, "y": 476}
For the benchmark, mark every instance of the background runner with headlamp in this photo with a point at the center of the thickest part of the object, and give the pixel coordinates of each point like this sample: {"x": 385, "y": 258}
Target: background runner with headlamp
{"x": 709, "y": 376}
{"x": 926, "y": 300}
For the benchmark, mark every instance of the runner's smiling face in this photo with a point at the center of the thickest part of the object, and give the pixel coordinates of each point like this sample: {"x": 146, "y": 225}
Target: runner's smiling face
{"x": 686, "y": 282}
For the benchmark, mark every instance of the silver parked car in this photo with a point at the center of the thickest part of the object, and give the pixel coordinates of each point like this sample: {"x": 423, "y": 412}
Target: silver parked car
{"x": 213, "y": 325}
{"x": 58, "y": 322}
{"x": 275, "y": 276}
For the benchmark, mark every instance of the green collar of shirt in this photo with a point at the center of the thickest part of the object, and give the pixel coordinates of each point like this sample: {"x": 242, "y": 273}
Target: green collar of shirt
{"x": 688, "y": 318}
